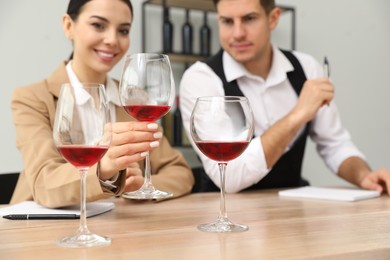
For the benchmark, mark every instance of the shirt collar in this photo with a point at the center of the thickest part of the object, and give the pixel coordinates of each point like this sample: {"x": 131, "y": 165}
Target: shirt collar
{"x": 233, "y": 70}
{"x": 280, "y": 66}
{"x": 111, "y": 88}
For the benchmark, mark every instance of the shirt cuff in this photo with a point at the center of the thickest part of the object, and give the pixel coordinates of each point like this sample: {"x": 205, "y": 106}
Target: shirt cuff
{"x": 109, "y": 184}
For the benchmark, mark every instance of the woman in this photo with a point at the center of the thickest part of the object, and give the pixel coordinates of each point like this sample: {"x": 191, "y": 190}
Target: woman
{"x": 99, "y": 31}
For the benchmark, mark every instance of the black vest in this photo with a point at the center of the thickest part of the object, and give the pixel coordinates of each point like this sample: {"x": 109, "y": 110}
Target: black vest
{"x": 287, "y": 171}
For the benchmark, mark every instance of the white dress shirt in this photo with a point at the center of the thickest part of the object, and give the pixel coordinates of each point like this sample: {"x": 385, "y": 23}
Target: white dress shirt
{"x": 112, "y": 92}
{"x": 271, "y": 99}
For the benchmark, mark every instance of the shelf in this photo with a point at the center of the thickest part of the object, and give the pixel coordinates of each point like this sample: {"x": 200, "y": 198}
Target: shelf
{"x": 202, "y": 5}
{"x": 185, "y": 58}
{"x": 205, "y": 5}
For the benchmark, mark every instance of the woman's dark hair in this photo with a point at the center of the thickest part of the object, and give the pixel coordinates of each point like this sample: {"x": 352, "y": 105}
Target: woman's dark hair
{"x": 75, "y": 7}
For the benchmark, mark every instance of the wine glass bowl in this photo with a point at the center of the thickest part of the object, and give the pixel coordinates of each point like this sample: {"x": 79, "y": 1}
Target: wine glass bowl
{"x": 82, "y": 135}
{"x": 221, "y": 128}
{"x": 148, "y": 113}
{"x": 147, "y": 92}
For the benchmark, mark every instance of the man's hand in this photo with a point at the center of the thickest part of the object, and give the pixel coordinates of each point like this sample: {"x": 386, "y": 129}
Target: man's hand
{"x": 377, "y": 180}
{"x": 314, "y": 94}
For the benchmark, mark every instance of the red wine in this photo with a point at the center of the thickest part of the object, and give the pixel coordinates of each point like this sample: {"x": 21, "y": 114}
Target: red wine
{"x": 148, "y": 113}
{"x": 82, "y": 156}
{"x": 222, "y": 151}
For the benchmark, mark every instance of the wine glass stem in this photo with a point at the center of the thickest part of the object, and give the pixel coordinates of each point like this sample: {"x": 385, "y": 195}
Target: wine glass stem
{"x": 83, "y": 229}
{"x": 222, "y": 211}
{"x": 148, "y": 179}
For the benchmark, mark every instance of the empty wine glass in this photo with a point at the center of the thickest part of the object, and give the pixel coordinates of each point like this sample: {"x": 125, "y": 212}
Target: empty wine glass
{"x": 82, "y": 134}
{"x": 147, "y": 92}
{"x": 222, "y": 128}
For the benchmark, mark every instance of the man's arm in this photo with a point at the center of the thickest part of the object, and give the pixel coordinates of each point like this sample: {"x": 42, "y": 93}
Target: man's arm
{"x": 357, "y": 171}
{"x": 315, "y": 94}
{"x": 354, "y": 170}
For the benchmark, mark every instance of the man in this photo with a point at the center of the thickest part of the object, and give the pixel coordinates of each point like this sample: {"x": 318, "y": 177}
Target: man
{"x": 290, "y": 98}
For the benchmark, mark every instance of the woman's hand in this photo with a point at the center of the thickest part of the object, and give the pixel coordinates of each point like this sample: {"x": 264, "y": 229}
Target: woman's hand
{"x": 134, "y": 178}
{"x": 130, "y": 142}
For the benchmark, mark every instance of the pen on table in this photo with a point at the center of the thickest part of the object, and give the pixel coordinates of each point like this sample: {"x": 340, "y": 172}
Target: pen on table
{"x": 41, "y": 216}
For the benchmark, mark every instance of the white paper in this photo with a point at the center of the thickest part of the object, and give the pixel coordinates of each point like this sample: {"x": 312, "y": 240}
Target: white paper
{"x": 31, "y": 207}
{"x": 330, "y": 193}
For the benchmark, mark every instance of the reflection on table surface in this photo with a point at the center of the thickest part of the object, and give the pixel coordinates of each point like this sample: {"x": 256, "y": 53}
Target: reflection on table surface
{"x": 279, "y": 228}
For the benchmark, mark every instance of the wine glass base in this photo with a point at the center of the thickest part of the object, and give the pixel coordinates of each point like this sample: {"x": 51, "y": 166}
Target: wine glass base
{"x": 146, "y": 194}
{"x": 86, "y": 240}
{"x": 220, "y": 226}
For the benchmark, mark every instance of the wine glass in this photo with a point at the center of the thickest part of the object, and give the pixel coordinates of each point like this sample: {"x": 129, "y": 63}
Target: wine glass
{"x": 147, "y": 92}
{"x": 82, "y": 134}
{"x": 222, "y": 128}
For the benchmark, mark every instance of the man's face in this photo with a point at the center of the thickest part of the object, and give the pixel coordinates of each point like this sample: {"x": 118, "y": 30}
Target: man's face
{"x": 245, "y": 29}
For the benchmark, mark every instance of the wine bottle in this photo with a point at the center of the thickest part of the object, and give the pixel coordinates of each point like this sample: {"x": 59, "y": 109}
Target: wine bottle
{"x": 205, "y": 37}
{"x": 167, "y": 32}
{"x": 186, "y": 34}
{"x": 177, "y": 125}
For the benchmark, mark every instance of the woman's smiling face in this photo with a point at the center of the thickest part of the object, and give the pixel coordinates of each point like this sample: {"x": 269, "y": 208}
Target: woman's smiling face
{"x": 100, "y": 36}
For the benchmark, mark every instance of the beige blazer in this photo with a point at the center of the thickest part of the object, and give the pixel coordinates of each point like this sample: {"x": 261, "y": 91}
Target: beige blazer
{"x": 48, "y": 179}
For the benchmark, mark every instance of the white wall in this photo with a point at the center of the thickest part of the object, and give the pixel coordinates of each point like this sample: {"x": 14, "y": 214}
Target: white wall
{"x": 32, "y": 44}
{"x": 352, "y": 33}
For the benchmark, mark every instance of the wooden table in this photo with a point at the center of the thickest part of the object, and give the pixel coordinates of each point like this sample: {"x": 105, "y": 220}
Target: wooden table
{"x": 279, "y": 228}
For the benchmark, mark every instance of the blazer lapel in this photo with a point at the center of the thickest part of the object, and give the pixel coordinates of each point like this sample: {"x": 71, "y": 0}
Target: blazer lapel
{"x": 56, "y": 79}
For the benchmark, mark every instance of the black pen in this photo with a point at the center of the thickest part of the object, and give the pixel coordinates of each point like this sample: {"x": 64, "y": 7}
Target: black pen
{"x": 41, "y": 216}
{"x": 326, "y": 68}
